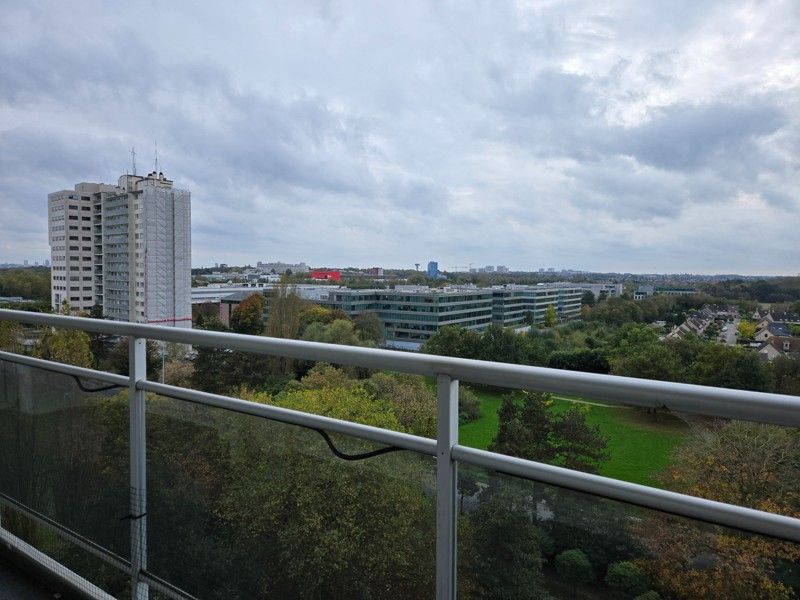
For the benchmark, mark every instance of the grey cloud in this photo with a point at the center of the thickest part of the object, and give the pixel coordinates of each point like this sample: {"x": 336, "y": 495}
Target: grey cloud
{"x": 685, "y": 137}
{"x": 338, "y": 132}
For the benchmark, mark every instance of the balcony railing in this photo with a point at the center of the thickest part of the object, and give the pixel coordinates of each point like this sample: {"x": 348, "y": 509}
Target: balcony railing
{"x": 135, "y": 558}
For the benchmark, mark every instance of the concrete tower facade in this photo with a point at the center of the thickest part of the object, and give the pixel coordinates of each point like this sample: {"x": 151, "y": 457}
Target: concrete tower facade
{"x": 133, "y": 252}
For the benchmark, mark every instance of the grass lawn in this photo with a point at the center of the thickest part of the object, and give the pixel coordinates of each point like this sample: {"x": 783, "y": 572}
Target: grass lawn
{"x": 640, "y": 444}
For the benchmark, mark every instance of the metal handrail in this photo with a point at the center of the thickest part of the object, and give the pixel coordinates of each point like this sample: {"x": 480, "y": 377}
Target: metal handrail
{"x": 775, "y": 409}
{"x": 734, "y": 404}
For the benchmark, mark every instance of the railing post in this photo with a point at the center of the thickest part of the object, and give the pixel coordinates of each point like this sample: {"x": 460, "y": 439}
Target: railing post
{"x": 446, "y": 486}
{"x": 138, "y": 465}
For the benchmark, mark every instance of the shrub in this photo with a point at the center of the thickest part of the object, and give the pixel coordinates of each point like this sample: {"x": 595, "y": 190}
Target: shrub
{"x": 626, "y": 577}
{"x": 469, "y": 407}
{"x": 573, "y": 566}
{"x": 651, "y": 595}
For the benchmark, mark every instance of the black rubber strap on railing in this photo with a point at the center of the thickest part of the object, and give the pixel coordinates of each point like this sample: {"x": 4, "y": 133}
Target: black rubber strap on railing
{"x": 102, "y": 388}
{"x": 339, "y": 454}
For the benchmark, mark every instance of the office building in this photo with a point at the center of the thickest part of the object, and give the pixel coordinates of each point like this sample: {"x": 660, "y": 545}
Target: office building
{"x": 125, "y": 248}
{"x": 603, "y": 290}
{"x": 519, "y": 305}
{"x": 433, "y": 270}
{"x": 413, "y": 313}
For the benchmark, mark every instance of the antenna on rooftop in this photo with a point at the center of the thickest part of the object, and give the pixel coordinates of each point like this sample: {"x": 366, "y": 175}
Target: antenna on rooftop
{"x": 133, "y": 159}
{"x": 156, "y": 156}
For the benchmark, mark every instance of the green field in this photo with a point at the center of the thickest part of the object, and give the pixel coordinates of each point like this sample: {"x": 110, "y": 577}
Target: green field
{"x": 640, "y": 444}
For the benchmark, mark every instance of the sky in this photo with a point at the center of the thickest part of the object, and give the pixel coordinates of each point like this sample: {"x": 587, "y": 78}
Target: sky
{"x": 630, "y": 136}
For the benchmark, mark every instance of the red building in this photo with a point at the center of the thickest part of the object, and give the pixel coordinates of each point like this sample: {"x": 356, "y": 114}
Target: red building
{"x": 327, "y": 275}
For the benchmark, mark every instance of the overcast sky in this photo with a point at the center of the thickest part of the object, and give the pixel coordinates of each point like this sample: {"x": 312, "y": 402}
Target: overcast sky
{"x": 656, "y": 136}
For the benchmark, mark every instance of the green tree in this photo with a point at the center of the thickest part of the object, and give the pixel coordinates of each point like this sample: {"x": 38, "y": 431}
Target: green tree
{"x": 283, "y": 485}
{"x": 527, "y": 429}
{"x": 627, "y": 578}
{"x": 67, "y": 346}
{"x": 574, "y": 567}
{"x": 588, "y": 298}
{"x": 502, "y": 557}
{"x": 210, "y": 364}
{"x": 787, "y": 375}
{"x": 453, "y": 341}
{"x": 550, "y": 316}
{"x": 369, "y": 327}
{"x": 118, "y": 358}
{"x": 283, "y": 322}
{"x": 731, "y": 367}
{"x": 588, "y": 361}
{"x": 318, "y": 314}
{"x": 248, "y": 316}
{"x": 9, "y": 336}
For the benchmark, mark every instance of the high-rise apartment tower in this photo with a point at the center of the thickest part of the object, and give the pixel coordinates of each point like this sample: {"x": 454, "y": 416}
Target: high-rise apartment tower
{"x": 125, "y": 248}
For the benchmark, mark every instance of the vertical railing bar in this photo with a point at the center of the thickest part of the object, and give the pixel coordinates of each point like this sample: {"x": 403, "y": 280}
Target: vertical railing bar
{"x": 138, "y": 465}
{"x": 446, "y": 482}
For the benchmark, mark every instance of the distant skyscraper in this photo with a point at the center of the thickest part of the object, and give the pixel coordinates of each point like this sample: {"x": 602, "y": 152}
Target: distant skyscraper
{"x": 433, "y": 269}
{"x": 125, "y": 248}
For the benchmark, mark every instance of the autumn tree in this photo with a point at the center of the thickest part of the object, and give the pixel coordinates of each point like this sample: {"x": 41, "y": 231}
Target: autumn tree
{"x": 248, "y": 316}
{"x": 747, "y": 329}
{"x": 740, "y": 463}
{"x": 67, "y": 346}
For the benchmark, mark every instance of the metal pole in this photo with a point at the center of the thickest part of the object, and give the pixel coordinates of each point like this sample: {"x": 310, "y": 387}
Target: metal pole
{"x": 138, "y": 465}
{"x": 446, "y": 486}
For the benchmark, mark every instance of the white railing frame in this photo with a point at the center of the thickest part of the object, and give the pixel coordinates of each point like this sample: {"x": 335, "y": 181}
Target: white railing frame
{"x": 758, "y": 407}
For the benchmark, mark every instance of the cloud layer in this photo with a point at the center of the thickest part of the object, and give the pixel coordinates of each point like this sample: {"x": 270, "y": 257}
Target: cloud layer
{"x": 619, "y": 135}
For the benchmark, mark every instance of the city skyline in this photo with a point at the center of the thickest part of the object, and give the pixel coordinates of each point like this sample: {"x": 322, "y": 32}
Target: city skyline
{"x": 604, "y": 138}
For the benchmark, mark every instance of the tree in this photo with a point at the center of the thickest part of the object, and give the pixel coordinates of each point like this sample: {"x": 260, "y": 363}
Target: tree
{"x": 318, "y": 314}
{"x": 369, "y": 327}
{"x": 627, "y": 578}
{"x": 637, "y": 352}
{"x": 740, "y": 463}
{"x": 413, "y": 401}
{"x": 248, "y": 316}
{"x": 119, "y": 362}
{"x": 527, "y": 429}
{"x": 550, "y": 316}
{"x": 9, "y": 336}
{"x": 787, "y": 375}
{"x": 337, "y": 332}
{"x": 588, "y": 361}
{"x": 502, "y": 556}
{"x": 747, "y": 329}
{"x": 67, "y": 346}
{"x": 210, "y": 364}
{"x": 501, "y": 345}
{"x": 574, "y": 567}
{"x": 283, "y": 322}
{"x": 284, "y": 485}
{"x": 588, "y": 298}
{"x": 730, "y": 367}
{"x": 453, "y": 341}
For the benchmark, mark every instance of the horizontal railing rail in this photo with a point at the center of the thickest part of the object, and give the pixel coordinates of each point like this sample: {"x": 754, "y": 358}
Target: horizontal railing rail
{"x": 732, "y": 404}
{"x": 775, "y": 409}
